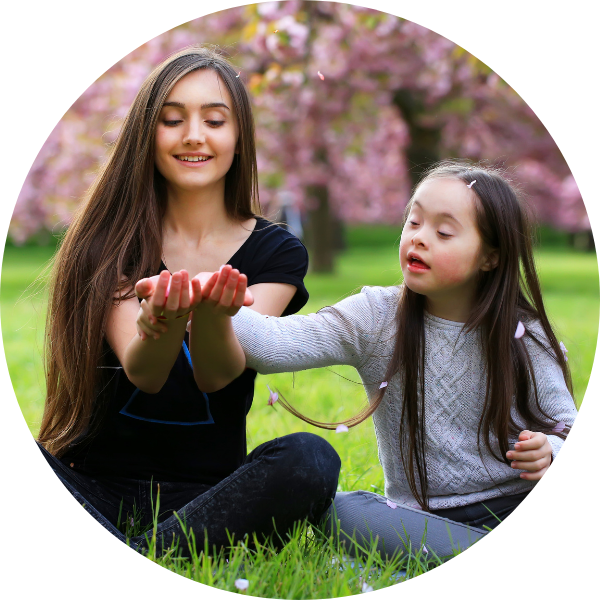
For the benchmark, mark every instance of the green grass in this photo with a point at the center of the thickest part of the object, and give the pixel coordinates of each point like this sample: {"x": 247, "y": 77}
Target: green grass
{"x": 304, "y": 568}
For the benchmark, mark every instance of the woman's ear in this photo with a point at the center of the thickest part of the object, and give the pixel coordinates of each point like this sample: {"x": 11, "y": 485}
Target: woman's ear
{"x": 490, "y": 260}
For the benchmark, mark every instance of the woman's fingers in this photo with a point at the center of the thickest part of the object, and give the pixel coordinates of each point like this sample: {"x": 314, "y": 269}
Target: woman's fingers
{"x": 196, "y": 292}
{"x": 229, "y": 289}
{"x": 172, "y": 302}
{"x": 159, "y": 297}
{"x": 223, "y": 275}
{"x": 184, "y": 296}
{"x": 240, "y": 293}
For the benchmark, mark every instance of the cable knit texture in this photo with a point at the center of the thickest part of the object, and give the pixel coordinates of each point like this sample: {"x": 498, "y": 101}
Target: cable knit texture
{"x": 360, "y": 331}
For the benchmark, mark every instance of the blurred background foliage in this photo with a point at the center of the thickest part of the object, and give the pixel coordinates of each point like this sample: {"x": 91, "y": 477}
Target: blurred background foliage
{"x": 351, "y": 105}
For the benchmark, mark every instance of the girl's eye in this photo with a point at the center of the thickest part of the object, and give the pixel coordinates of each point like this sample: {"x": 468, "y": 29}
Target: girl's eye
{"x": 215, "y": 123}
{"x": 444, "y": 235}
{"x": 414, "y": 223}
{"x": 172, "y": 123}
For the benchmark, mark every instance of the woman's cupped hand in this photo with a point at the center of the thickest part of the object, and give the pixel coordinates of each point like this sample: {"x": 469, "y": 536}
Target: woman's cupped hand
{"x": 167, "y": 297}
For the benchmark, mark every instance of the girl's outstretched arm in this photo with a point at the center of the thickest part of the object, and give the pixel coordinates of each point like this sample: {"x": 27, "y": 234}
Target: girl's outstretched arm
{"x": 148, "y": 362}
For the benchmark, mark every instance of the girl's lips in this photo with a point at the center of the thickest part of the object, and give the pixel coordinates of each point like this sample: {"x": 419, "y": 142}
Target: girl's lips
{"x": 415, "y": 265}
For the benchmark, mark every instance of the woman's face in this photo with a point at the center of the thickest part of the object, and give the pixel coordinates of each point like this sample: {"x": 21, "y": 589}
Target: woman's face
{"x": 197, "y": 134}
{"x": 441, "y": 251}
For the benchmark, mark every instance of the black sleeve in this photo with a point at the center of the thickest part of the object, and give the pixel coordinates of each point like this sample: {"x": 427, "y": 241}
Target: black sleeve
{"x": 274, "y": 255}
{"x": 288, "y": 263}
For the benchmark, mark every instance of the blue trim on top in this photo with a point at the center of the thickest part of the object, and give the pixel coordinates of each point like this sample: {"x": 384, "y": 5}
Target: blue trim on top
{"x": 209, "y": 421}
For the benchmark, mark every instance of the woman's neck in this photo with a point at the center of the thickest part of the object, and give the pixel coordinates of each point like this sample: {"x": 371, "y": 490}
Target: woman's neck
{"x": 193, "y": 216}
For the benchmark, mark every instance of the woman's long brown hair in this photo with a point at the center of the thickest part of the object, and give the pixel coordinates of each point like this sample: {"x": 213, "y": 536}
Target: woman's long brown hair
{"x": 115, "y": 240}
{"x": 506, "y": 295}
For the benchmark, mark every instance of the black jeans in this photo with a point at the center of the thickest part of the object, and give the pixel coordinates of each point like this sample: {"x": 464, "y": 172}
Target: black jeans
{"x": 281, "y": 482}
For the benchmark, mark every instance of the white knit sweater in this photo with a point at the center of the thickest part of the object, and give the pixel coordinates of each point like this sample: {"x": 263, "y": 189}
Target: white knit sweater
{"x": 360, "y": 331}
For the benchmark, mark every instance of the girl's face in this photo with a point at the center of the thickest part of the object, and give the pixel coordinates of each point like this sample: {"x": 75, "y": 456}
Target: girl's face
{"x": 441, "y": 251}
{"x": 197, "y": 133}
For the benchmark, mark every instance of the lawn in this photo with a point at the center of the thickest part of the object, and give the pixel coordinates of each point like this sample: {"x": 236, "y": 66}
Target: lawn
{"x": 570, "y": 287}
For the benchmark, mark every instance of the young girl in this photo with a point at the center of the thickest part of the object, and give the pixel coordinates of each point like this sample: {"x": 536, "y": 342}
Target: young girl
{"x": 126, "y": 416}
{"x": 468, "y": 386}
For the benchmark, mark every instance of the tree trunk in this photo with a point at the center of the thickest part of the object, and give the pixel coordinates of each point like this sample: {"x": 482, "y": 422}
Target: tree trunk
{"x": 319, "y": 230}
{"x": 423, "y": 149}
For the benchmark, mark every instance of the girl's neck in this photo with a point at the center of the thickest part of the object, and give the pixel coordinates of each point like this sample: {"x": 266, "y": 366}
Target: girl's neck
{"x": 449, "y": 307}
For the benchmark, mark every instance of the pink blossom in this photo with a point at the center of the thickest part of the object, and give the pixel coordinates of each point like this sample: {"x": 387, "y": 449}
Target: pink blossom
{"x": 341, "y": 429}
{"x": 273, "y": 397}
{"x": 391, "y": 504}
{"x": 520, "y": 330}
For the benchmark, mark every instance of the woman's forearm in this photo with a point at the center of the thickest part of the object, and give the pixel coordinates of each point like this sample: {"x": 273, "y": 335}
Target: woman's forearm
{"x": 217, "y": 356}
{"x": 148, "y": 363}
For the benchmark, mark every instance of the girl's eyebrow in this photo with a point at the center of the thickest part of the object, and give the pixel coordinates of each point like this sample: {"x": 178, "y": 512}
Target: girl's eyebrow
{"x": 447, "y": 215}
{"x": 203, "y": 106}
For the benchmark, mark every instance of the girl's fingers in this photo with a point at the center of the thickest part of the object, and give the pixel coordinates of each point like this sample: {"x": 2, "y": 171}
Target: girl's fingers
{"x": 143, "y": 288}
{"x": 531, "y": 465}
{"x": 536, "y": 476}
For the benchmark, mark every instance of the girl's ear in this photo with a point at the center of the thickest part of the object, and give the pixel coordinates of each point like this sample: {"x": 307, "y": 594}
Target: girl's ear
{"x": 490, "y": 260}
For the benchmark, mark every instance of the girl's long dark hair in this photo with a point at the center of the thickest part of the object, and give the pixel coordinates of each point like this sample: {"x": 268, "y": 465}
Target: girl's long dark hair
{"x": 506, "y": 295}
{"x": 115, "y": 240}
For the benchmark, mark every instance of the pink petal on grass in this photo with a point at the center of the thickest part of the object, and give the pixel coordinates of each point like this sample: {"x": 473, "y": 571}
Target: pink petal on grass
{"x": 341, "y": 429}
{"x": 322, "y": 77}
{"x": 383, "y": 384}
{"x": 520, "y": 330}
{"x": 559, "y": 427}
{"x": 273, "y": 397}
{"x": 392, "y": 504}
{"x": 242, "y": 584}
{"x": 425, "y": 551}
{"x": 366, "y": 588}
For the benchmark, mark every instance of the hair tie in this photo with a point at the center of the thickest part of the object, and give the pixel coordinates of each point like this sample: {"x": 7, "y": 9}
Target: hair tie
{"x": 472, "y": 182}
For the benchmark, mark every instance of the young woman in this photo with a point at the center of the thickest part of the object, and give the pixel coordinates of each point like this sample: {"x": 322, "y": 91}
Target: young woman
{"x": 468, "y": 386}
{"x": 125, "y": 416}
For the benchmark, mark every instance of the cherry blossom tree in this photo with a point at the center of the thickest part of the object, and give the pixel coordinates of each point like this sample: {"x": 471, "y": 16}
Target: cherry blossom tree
{"x": 351, "y": 104}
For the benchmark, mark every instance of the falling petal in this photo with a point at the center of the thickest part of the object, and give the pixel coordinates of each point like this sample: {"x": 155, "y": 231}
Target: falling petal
{"x": 341, "y": 429}
{"x": 131, "y": 521}
{"x": 424, "y": 549}
{"x": 520, "y": 330}
{"x": 383, "y": 384}
{"x": 366, "y": 588}
{"x": 273, "y": 397}
{"x": 564, "y": 351}
{"x": 276, "y": 31}
{"x": 559, "y": 427}
{"x": 242, "y": 584}
{"x": 321, "y": 75}
{"x": 238, "y": 74}
{"x": 470, "y": 185}
{"x": 391, "y": 504}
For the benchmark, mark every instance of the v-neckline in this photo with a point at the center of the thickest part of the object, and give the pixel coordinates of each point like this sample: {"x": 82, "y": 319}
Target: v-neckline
{"x": 227, "y": 262}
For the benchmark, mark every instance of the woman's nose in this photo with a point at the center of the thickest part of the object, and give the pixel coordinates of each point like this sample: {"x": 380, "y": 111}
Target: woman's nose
{"x": 194, "y": 135}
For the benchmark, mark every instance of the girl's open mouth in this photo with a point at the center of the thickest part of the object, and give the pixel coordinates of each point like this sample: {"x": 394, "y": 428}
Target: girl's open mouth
{"x": 416, "y": 265}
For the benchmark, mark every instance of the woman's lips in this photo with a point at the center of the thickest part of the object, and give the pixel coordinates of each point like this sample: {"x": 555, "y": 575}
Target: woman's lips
{"x": 183, "y": 160}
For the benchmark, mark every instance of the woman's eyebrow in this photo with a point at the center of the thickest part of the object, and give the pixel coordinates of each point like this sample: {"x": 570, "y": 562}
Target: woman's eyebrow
{"x": 203, "y": 106}
{"x": 446, "y": 215}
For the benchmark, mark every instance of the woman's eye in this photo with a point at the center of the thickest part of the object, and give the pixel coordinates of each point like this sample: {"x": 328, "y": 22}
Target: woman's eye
{"x": 171, "y": 123}
{"x": 215, "y": 123}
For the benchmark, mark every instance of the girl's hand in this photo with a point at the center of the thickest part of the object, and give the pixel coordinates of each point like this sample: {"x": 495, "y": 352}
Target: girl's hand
{"x": 226, "y": 291}
{"x": 532, "y": 454}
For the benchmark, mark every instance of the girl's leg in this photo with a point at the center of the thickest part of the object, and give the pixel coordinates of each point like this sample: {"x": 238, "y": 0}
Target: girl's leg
{"x": 281, "y": 482}
{"x": 365, "y": 516}
{"x": 484, "y": 514}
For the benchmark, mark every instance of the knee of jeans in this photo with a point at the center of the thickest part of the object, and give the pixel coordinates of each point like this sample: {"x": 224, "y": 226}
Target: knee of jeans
{"x": 315, "y": 459}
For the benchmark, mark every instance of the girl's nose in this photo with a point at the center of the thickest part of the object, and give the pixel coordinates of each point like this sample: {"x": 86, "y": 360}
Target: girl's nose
{"x": 419, "y": 239}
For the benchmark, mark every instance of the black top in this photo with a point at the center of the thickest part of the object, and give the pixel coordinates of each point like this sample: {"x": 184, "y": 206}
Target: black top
{"x": 181, "y": 433}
